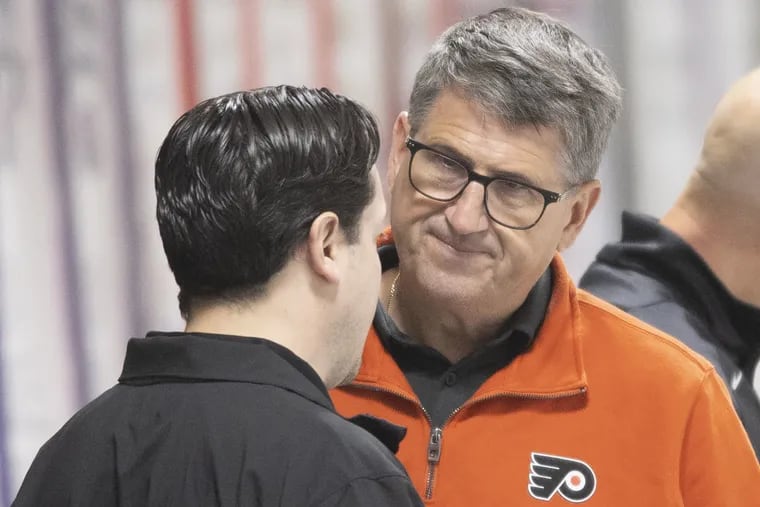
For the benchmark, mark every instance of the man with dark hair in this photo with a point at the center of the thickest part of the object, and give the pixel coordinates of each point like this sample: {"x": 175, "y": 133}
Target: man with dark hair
{"x": 516, "y": 388}
{"x": 694, "y": 273}
{"x": 268, "y": 206}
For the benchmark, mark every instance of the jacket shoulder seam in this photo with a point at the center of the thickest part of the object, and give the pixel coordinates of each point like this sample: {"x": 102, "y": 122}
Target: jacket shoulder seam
{"x": 642, "y": 327}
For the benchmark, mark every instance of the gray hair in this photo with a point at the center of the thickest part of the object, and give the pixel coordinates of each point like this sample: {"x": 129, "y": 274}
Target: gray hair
{"x": 530, "y": 69}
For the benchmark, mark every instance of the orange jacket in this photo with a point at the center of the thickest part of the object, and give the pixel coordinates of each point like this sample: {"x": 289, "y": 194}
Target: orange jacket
{"x": 602, "y": 410}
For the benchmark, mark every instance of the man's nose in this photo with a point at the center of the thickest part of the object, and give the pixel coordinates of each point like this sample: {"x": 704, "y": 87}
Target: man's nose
{"x": 467, "y": 214}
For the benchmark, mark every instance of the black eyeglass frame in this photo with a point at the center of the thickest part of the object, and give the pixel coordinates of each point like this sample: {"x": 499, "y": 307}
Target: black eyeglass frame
{"x": 549, "y": 196}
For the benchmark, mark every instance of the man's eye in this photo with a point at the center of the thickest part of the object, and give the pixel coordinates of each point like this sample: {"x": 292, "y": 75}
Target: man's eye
{"x": 447, "y": 164}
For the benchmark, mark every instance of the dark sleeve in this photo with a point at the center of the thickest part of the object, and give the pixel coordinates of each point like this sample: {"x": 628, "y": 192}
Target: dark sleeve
{"x": 391, "y": 491}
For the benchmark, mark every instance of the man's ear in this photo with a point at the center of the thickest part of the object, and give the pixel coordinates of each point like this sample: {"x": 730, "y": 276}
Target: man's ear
{"x": 398, "y": 147}
{"x": 323, "y": 246}
{"x": 584, "y": 200}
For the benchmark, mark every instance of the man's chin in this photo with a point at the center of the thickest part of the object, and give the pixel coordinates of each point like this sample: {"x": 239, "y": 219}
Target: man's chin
{"x": 351, "y": 374}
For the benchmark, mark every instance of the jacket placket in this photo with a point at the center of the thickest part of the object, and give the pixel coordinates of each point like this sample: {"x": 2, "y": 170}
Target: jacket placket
{"x": 435, "y": 440}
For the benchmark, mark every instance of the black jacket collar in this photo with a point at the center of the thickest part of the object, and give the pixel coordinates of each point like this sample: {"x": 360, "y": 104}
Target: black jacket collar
{"x": 165, "y": 357}
{"x": 201, "y": 357}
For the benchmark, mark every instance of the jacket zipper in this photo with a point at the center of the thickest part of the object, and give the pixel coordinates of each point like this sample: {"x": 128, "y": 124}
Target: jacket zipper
{"x": 436, "y": 432}
{"x": 434, "y": 456}
{"x": 434, "y": 442}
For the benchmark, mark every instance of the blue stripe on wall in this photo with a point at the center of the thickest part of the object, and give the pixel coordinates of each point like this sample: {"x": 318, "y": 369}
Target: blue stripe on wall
{"x": 53, "y": 16}
{"x": 127, "y": 170}
{"x": 5, "y": 486}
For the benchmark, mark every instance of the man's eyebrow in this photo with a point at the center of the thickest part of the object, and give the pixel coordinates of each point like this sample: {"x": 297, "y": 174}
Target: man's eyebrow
{"x": 452, "y": 153}
{"x": 467, "y": 162}
{"x": 511, "y": 176}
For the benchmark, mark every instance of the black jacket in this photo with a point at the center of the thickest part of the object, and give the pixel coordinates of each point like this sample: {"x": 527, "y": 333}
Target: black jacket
{"x": 210, "y": 420}
{"x": 656, "y": 276}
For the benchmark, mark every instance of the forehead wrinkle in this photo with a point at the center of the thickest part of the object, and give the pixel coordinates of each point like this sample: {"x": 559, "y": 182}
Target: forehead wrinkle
{"x": 497, "y": 169}
{"x": 456, "y": 124}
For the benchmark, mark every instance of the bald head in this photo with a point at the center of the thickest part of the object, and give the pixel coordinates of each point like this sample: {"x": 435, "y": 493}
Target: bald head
{"x": 730, "y": 160}
{"x": 718, "y": 211}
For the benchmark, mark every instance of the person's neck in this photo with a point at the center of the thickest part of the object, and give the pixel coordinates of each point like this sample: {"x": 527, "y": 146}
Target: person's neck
{"x": 727, "y": 238}
{"x": 454, "y": 330}
{"x": 278, "y": 323}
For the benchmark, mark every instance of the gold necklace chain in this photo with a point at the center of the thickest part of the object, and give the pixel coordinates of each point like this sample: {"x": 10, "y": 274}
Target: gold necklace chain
{"x": 392, "y": 293}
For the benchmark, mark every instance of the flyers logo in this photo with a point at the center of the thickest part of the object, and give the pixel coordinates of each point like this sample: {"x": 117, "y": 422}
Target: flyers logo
{"x": 574, "y": 479}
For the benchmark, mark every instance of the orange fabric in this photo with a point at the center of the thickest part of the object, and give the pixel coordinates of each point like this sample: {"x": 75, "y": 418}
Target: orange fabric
{"x": 649, "y": 417}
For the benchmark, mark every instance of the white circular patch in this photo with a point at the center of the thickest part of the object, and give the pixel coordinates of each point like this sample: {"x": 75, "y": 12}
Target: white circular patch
{"x": 575, "y": 481}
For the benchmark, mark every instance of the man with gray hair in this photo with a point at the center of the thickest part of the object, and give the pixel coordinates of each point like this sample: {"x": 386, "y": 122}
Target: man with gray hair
{"x": 517, "y": 388}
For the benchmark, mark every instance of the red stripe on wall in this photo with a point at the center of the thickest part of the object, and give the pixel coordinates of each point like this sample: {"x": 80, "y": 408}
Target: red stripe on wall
{"x": 442, "y": 14}
{"x": 322, "y": 16}
{"x": 250, "y": 43}
{"x": 391, "y": 30}
{"x": 186, "y": 53}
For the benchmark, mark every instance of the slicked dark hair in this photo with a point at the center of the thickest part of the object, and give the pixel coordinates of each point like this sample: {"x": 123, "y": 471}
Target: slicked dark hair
{"x": 526, "y": 68}
{"x": 240, "y": 178}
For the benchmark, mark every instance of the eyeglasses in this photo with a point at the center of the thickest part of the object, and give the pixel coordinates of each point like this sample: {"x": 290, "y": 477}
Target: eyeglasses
{"x": 507, "y": 202}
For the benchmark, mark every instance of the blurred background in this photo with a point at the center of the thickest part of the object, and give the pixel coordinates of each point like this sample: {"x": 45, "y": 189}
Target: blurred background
{"x": 89, "y": 88}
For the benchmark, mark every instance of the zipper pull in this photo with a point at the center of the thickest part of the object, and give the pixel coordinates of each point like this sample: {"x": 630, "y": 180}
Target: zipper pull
{"x": 434, "y": 445}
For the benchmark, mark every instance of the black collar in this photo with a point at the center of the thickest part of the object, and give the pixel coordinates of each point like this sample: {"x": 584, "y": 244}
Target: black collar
{"x": 164, "y": 357}
{"x": 517, "y": 334}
